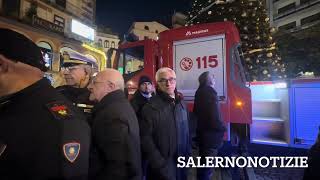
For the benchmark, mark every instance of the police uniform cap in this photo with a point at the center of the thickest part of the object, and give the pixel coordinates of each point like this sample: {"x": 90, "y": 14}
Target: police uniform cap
{"x": 74, "y": 58}
{"x": 17, "y": 47}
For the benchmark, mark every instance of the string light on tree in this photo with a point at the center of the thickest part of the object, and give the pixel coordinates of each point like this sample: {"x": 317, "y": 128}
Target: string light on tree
{"x": 260, "y": 52}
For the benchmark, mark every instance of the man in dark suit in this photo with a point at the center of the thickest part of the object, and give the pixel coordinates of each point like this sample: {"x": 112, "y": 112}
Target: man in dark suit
{"x": 115, "y": 130}
{"x": 210, "y": 129}
{"x": 142, "y": 95}
{"x": 312, "y": 171}
{"x": 165, "y": 130}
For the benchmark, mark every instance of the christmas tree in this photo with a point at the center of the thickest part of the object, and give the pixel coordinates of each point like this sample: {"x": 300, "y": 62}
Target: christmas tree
{"x": 262, "y": 61}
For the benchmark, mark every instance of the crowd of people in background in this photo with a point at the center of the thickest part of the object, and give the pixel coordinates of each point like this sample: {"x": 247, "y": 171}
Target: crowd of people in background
{"x": 88, "y": 129}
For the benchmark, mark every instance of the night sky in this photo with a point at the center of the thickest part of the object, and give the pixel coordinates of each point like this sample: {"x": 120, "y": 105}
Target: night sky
{"x": 120, "y": 14}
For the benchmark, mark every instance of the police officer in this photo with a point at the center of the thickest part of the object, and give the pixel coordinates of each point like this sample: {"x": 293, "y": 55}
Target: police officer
{"x": 42, "y": 136}
{"x": 77, "y": 71}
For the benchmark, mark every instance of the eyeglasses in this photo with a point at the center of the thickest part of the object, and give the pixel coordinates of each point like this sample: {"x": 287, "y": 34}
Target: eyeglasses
{"x": 94, "y": 82}
{"x": 164, "y": 81}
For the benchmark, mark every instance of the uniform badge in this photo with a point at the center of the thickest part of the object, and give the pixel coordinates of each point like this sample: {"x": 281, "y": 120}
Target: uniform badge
{"x": 59, "y": 110}
{"x": 71, "y": 151}
{"x": 2, "y": 148}
{"x": 85, "y": 107}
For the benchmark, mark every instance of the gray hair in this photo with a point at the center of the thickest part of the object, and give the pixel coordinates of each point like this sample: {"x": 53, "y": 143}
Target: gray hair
{"x": 88, "y": 69}
{"x": 164, "y": 70}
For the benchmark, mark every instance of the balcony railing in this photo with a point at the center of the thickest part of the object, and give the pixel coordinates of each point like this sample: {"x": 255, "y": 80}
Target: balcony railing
{"x": 73, "y": 10}
{"x": 297, "y": 8}
{"x": 37, "y": 21}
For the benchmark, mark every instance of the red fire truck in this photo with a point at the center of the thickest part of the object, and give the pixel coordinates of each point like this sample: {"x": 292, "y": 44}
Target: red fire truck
{"x": 189, "y": 51}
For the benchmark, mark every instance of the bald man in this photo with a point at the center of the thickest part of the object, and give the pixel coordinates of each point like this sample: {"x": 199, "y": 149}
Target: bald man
{"x": 115, "y": 130}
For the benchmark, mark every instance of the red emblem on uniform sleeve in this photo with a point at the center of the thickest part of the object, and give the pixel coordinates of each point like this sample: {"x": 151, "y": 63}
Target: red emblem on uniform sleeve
{"x": 62, "y": 109}
{"x": 59, "y": 110}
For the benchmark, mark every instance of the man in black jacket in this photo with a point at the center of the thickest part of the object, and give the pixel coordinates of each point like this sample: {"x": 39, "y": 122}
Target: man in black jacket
{"x": 210, "y": 129}
{"x": 142, "y": 95}
{"x": 115, "y": 130}
{"x": 42, "y": 136}
{"x": 165, "y": 130}
{"x": 312, "y": 171}
{"x": 139, "y": 99}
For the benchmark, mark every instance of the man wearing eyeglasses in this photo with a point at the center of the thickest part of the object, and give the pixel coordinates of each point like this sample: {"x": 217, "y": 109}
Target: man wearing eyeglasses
{"x": 165, "y": 130}
{"x": 77, "y": 74}
{"x": 115, "y": 130}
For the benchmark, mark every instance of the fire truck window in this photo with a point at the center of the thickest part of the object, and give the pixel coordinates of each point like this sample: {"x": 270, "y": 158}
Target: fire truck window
{"x": 133, "y": 59}
{"x": 238, "y": 70}
{"x": 244, "y": 75}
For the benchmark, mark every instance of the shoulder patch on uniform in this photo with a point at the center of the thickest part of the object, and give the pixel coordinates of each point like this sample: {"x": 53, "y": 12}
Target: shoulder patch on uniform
{"x": 71, "y": 151}
{"x": 2, "y": 148}
{"x": 59, "y": 110}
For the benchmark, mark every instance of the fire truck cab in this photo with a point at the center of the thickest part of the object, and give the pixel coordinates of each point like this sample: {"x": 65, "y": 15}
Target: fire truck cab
{"x": 190, "y": 51}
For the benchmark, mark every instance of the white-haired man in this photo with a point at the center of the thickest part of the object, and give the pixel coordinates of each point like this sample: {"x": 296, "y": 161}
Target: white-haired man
{"x": 115, "y": 130}
{"x": 165, "y": 130}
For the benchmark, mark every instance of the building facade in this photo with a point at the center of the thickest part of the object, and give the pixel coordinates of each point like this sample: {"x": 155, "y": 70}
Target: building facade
{"x": 107, "y": 41}
{"x": 293, "y": 15}
{"x": 146, "y": 30}
{"x": 55, "y": 26}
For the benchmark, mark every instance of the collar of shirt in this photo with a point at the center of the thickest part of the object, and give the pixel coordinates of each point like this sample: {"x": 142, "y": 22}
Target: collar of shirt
{"x": 148, "y": 96}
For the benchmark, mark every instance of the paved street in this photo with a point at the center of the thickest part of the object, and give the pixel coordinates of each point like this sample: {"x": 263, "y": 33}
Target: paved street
{"x": 263, "y": 173}
{"x": 277, "y": 173}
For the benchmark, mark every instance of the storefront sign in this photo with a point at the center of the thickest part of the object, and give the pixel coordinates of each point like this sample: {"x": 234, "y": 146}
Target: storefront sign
{"x": 47, "y": 25}
{"x": 82, "y": 30}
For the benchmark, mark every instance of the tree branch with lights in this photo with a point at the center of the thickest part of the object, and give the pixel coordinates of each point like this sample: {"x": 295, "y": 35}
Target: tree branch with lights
{"x": 261, "y": 54}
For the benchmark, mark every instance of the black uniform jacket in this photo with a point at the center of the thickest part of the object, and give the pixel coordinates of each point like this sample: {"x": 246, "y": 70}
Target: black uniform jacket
{"x": 79, "y": 97}
{"x": 312, "y": 171}
{"x": 116, "y": 140}
{"x": 42, "y": 136}
{"x": 137, "y": 102}
{"x": 210, "y": 128}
